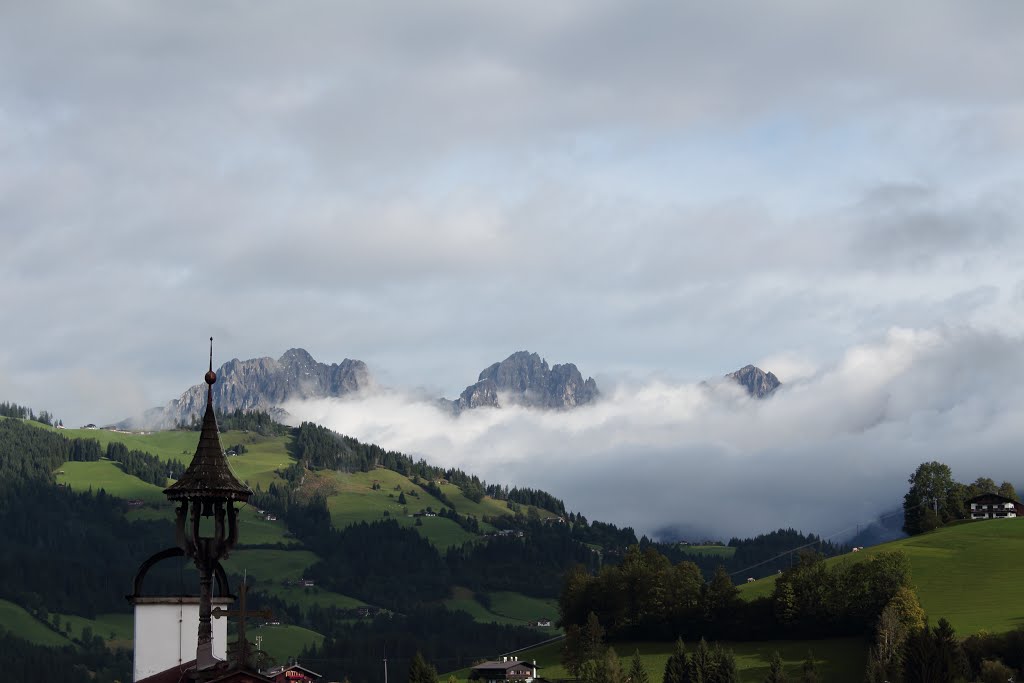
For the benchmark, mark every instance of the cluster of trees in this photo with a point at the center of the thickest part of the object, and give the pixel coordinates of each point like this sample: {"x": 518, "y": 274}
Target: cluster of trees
{"x": 767, "y": 553}
{"x": 646, "y": 597}
{"x": 907, "y": 650}
{"x": 935, "y": 498}
{"x": 25, "y": 413}
{"x": 257, "y": 421}
{"x": 145, "y": 466}
{"x": 814, "y": 598}
{"x": 586, "y": 656}
{"x": 526, "y": 496}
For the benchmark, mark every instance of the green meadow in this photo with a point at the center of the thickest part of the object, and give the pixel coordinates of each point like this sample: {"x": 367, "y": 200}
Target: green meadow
{"x": 969, "y": 573}
{"x": 270, "y": 566}
{"x": 116, "y": 629}
{"x": 505, "y": 608}
{"x": 108, "y": 475}
{"x": 283, "y": 641}
{"x": 24, "y": 625}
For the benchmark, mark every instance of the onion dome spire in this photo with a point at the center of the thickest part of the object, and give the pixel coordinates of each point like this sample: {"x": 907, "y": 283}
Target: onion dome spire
{"x": 209, "y": 477}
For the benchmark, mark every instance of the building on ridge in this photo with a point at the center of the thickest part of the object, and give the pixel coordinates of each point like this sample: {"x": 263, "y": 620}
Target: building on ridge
{"x": 994, "y": 506}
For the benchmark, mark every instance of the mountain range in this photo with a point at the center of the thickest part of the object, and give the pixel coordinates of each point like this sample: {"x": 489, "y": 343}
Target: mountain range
{"x": 266, "y": 384}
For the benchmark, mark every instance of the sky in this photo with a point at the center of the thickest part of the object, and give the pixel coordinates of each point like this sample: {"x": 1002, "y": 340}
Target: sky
{"x": 657, "y": 192}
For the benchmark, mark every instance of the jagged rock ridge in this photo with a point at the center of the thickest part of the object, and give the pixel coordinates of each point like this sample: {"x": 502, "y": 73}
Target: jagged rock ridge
{"x": 525, "y": 378}
{"x": 262, "y": 384}
{"x": 756, "y": 381}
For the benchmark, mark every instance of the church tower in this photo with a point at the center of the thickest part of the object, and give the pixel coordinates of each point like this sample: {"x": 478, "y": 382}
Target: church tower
{"x": 169, "y": 631}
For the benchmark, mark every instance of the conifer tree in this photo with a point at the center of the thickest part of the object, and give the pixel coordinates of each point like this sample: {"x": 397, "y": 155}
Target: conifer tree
{"x": 699, "y": 665}
{"x": 637, "y": 672}
{"x": 420, "y": 671}
{"x": 723, "y": 668}
{"x": 675, "y": 667}
{"x": 809, "y": 672}
{"x": 776, "y": 673}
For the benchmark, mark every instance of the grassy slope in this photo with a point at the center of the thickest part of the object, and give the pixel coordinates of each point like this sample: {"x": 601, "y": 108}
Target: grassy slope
{"x": 506, "y": 608}
{"x": 108, "y": 475}
{"x": 969, "y": 573}
{"x": 284, "y": 641}
{"x": 839, "y": 660}
{"x": 351, "y": 497}
{"x": 117, "y": 629}
{"x": 24, "y": 625}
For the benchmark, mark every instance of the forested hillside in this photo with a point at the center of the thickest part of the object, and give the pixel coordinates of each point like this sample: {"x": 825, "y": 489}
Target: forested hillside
{"x": 401, "y": 553}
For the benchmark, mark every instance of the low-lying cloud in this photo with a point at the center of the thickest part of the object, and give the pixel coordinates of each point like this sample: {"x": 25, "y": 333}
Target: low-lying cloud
{"x": 826, "y": 452}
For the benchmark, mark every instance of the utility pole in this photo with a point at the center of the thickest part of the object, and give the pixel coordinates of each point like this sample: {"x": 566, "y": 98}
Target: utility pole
{"x": 385, "y": 665}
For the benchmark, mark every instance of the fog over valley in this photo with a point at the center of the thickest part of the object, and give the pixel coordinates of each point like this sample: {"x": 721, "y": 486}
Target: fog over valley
{"x": 830, "y": 449}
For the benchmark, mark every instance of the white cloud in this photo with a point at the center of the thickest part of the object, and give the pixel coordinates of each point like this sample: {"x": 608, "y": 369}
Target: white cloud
{"x": 822, "y": 454}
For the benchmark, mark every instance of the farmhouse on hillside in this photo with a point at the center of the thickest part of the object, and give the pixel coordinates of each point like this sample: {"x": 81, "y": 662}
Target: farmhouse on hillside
{"x": 994, "y": 506}
{"x": 507, "y": 669}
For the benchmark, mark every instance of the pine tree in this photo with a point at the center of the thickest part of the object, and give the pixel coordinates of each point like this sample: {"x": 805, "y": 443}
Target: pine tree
{"x": 637, "y": 672}
{"x": 699, "y": 665}
{"x": 723, "y": 669}
{"x": 809, "y": 672}
{"x": 776, "y": 674}
{"x": 420, "y": 671}
{"x": 675, "y": 667}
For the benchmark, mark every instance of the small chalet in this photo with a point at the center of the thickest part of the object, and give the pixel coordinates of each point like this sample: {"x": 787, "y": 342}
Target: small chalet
{"x": 994, "y": 506}
{"x": 506, "y": 669}
{"x": 291, "y": 673}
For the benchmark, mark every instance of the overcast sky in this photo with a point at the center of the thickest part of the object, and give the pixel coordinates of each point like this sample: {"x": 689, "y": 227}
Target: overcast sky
{"x": 658, "y": 192}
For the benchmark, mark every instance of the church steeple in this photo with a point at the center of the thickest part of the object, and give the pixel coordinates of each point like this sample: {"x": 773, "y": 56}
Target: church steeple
{"x": 208, "y": 488}
{"x": 209, "y": 477}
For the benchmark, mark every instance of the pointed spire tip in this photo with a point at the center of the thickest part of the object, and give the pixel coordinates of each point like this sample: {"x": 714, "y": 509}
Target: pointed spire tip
{"x": 211, "y": 376}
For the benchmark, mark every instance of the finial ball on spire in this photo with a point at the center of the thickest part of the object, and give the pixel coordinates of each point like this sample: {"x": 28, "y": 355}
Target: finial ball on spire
{"x": 211, "y": 376}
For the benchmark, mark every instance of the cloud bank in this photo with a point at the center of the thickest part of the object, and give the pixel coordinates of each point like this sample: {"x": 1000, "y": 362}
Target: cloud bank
{"x": 826, "y": 452}
{"x": 645, "y": 188}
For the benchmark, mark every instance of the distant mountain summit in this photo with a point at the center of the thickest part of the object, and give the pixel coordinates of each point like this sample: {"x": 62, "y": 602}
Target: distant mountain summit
{"x": 261, "y": 384}
{"x": 525, "y": 379}
{"x": 756, "y": 381}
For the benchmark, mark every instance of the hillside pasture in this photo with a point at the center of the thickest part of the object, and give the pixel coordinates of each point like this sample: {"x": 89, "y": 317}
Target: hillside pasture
{"x": 266, "y": 567}
{"x": 168, "y": 445}
{"x": 22, "y": 624}
{"x": 284, "y": 641}
{"x": 117, "y": 629}
{"x": 462, "y": 600}
{"x": 108, "y": 475}
{"x": 969, "y": 573}
{"x": 523, "y": 607}
{"x": 351, "y": 499}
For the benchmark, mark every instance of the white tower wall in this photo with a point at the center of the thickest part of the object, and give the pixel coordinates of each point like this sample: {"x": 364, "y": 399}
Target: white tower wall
{"x": 167, "y": 633}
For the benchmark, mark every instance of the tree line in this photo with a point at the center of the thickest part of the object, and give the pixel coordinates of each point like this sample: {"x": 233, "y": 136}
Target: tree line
{"x": 646, "y": 597}
{"x": 25, "y": 413}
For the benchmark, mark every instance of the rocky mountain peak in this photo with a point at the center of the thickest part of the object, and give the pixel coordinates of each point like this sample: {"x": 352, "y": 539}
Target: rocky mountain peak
{"x": 525, "y": 378}
{"x": 261, "y": 384}
{"x": 756, "y": 381}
